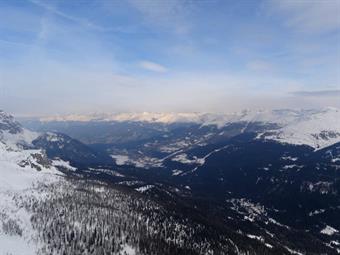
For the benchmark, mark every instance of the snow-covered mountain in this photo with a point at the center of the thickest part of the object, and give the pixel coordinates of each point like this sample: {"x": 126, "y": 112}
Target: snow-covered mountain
{"x": 41, "y": 212}
{"x": 22, "y": 167}
{"x": 317, "y": 128}
{"x": 271, "y": 194}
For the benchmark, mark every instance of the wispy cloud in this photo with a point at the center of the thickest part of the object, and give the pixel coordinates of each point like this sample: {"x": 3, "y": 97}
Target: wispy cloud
{"x": 308, "y": 16}
{"x": 51, "y": 51}
{"x": 259, "y": 65}
{"x": 171, "y": 14}
{"x": 152, "y": 66}
{"x": 318, "y": 93}
{"x": 16, "y": 43}
{"x": 80, "y": 21}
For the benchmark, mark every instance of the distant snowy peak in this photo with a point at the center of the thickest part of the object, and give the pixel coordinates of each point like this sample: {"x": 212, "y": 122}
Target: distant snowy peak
{"x": 281, "y": 116}
{"x": 138, "y": 117}
{"x": 317, "y": 128}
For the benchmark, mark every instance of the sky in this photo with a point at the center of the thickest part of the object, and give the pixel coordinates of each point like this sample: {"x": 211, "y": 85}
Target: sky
{"x": 62, "y": 57}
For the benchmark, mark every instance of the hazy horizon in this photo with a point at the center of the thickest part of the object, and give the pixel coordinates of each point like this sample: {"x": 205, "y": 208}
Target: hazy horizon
{"x": 92, "y": 115}
{"x": 62, "y": 57}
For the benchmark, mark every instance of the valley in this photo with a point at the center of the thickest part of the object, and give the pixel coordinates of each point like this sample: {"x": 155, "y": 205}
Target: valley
{"x": 238, "y": 186}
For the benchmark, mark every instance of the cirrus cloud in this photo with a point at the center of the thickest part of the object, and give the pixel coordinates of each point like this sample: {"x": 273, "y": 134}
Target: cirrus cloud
{"x": 152, "y": 66}
{"x": 308, "y": 16}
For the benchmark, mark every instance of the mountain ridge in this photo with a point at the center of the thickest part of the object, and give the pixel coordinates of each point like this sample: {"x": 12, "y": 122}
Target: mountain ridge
{"x": 317, "y": 128}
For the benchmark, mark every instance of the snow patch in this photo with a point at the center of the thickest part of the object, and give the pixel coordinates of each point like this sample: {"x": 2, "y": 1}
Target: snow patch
{"x": 121, "y": 159}
{"x": 128, "y": 250}
{"x": 328, "y": 230}
{"x": 144, "y": 188}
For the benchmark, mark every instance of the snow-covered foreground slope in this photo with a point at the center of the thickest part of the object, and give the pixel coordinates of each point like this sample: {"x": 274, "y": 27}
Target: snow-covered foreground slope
{"x": 16, "y": 185}
{"x": 22, "y": 168}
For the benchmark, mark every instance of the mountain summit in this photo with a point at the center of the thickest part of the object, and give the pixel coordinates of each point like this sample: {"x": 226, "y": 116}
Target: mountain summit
{"x": 7, "y": 123}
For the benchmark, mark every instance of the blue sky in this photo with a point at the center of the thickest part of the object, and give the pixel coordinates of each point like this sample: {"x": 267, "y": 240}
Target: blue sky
{"x": 168, "y": 55}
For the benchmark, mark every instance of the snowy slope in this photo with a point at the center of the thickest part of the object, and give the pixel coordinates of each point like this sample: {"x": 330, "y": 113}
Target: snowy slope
{"x": 21, "y": 168}
{"x": 318, "y": 129}
{"x": 16, "y": 182}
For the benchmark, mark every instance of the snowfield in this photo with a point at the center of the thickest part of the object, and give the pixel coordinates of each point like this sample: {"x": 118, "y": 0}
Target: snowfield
{"x": 318, "y": 129}
{"x": 328, "y": 230}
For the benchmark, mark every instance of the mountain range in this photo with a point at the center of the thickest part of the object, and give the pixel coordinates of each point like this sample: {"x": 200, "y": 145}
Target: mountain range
{"x": 254, "y": 182}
